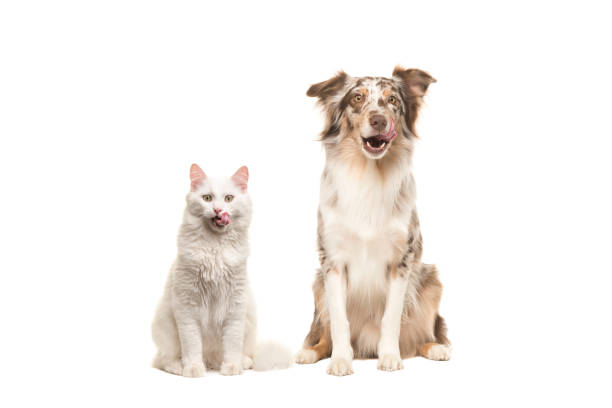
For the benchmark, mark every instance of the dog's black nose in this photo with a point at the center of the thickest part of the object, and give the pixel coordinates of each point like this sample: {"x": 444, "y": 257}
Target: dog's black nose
{"x": 378, "y": 122}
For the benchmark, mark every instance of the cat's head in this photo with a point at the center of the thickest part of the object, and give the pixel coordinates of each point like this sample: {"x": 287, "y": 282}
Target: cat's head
{"x": 221, "y": 203}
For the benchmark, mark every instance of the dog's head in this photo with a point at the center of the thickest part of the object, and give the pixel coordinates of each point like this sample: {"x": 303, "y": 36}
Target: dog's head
{"x": 371, "y": 113}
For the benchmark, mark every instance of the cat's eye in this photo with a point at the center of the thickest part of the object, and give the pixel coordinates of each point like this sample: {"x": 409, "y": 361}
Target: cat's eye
{"x": 207, "y": 198}
{"x": 229, "y": 198}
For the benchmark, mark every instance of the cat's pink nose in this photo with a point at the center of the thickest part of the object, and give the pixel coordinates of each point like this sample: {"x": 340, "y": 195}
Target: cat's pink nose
{"x": 217, "y": 210}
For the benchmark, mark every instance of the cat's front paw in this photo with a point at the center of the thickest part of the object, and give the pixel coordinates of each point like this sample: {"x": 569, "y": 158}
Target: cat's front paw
{"x": 231, "y": 368}
{"x": 247, "y": 363}
{"x": 194, "y": 370}
{"x": 173, "y": 367}
{"x": 390, "y": 362}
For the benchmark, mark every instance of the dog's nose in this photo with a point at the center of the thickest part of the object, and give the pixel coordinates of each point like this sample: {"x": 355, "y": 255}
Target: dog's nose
{"x": 378, "y": 122}
{"x": 217, "y": 210}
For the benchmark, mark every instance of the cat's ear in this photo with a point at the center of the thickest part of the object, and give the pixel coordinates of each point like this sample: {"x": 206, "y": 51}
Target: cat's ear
{"x": 197, "y": 176}
{"x": 241, "y": 178}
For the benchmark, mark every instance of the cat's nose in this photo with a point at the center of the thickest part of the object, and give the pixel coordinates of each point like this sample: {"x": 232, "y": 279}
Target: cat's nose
{"x": 217, "y": 210}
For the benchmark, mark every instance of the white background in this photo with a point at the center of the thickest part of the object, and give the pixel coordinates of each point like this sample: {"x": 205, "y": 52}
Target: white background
{"x": 104, "y": 105}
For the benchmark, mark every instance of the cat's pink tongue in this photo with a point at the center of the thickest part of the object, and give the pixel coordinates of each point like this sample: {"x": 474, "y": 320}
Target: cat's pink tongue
{"x": 225, "y": 219}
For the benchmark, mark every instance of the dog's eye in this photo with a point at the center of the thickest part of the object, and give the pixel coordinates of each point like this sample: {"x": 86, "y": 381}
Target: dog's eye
{"x": 357, "y": 98}
{"x": 392, "y": 99}
{"x": 229, "y": 198}
{"x": 207, "y": 197}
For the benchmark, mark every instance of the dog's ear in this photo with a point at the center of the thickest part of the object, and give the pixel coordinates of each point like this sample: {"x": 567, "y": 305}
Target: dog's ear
{"x": 323, "y": 90}
{"x": 330, "y": 93}
{"x": 413, "y": 84}
{"x": 415, "y": 81}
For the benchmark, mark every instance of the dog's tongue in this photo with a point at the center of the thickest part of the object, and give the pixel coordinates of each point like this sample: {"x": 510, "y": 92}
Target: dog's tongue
{"x": 391, "y": 133}
{"x": 225, "y": 219}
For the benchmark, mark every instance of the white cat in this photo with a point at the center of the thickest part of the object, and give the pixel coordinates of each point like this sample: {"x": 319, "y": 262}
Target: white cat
{"x": 206, "y": 317}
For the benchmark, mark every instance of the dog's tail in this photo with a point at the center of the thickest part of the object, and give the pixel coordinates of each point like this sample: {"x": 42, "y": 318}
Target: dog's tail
{"x": 270, "y": 355}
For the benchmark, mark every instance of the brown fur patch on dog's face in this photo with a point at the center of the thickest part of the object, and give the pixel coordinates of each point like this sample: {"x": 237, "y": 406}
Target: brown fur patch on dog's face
{"x": 354, "y": 106}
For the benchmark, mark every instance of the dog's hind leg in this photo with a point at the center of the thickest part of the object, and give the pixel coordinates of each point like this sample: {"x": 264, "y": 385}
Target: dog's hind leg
{"x": 439, "y": 350}
{"x": 317, "y": 344}
{"x": 425, "y": 331}
{"x": 322, "y": 349}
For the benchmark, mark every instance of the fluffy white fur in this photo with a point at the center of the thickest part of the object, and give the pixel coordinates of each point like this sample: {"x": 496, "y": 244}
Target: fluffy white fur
{"x": 270, "y": 355}
{"x": 206, "y": 317}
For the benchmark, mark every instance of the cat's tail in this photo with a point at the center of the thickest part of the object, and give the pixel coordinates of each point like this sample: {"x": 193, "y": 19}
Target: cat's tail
{"x": 270, "y": 355}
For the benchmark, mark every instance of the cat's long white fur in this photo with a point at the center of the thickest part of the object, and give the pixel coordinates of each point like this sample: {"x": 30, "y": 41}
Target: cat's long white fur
{"x": 206, "y": 317}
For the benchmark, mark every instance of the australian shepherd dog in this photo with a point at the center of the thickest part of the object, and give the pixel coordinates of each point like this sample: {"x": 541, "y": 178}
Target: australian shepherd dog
{"x": 374, "y": 298}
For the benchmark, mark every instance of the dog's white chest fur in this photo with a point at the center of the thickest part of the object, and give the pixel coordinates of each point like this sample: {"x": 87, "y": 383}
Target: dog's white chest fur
{"x": 360, "y": 225}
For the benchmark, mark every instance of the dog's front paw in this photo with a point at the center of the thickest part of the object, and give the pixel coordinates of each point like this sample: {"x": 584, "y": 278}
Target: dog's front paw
{"x": 340, "y": 366}
{"x": 194, "y": 370}
{"x": 390, "y": 362}
{"x": 231, "y": 368}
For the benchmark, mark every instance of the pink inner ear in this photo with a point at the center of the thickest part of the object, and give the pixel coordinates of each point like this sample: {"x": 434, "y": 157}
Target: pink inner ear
{"x": 241, "y": 178}
{"x": 197, "y": 175}
{"x": 416, "y": 88}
